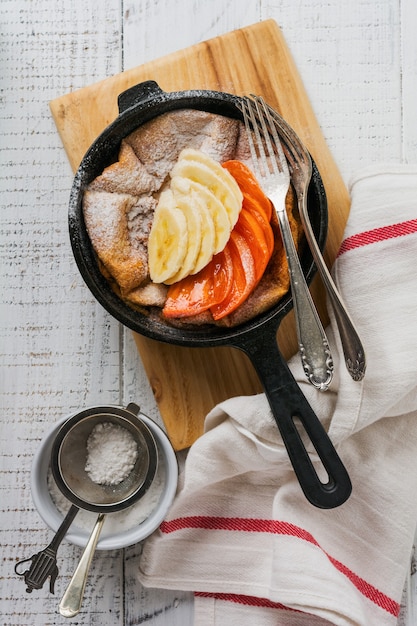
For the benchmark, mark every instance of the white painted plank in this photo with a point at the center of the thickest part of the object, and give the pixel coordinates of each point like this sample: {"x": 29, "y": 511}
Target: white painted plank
{"x": 60, "y": 351}
{"x": 154, "y": 29}
{"x": 348, "y": 55}
{"x": 409, "y": 79}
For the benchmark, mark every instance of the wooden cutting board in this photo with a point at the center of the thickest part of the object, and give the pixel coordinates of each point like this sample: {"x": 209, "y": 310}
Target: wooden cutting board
{"x": 188, "y": 382}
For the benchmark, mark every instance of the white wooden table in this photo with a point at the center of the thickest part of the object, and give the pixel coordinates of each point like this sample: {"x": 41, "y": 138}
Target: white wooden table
{"x": 60, "y": 351}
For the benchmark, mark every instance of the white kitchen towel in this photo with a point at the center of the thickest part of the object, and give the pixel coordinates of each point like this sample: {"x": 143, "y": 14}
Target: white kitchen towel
{"x": 240, "y": 533}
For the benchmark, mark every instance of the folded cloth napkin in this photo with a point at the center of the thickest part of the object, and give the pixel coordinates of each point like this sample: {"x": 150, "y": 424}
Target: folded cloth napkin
{"x": 240, "y": 533}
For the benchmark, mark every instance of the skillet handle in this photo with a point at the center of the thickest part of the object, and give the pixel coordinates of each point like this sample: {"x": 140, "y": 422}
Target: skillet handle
{"x": 138, "y": 93}
{"x": 287, "y": 402}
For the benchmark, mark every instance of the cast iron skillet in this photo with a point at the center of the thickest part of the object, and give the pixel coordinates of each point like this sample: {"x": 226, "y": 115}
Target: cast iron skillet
{"x": 257, "y": 337}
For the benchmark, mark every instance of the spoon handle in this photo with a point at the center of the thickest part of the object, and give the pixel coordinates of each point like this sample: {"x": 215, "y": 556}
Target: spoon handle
{"x": 73, "y": 597}
{"x": 353, "y": 350}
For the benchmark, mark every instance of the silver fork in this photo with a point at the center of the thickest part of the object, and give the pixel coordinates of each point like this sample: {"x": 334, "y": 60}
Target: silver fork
{"x": 272, "y": 171}
{"x": 301, "y": 171}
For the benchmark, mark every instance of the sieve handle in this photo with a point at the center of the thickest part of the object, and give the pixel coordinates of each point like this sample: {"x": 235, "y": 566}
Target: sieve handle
{"x": 73, "y": 597}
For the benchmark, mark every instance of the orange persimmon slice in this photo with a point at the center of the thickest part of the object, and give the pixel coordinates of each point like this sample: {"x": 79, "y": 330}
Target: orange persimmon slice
{"x": 191, "y": 295}
{"x": 198, "y": 292}
{"x": 244, "y": 277}
{"x": 222, "y": 275}
{"x": 249, "y": 184}
{"x": 254, "y": 233}
{"x": 252, "y": 206}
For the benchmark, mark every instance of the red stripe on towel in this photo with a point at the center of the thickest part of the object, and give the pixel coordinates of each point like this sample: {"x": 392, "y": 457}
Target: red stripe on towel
{"x": 241, "y": 524}
{"x": 246, "y": 600}
{"x": 378, "y": 234}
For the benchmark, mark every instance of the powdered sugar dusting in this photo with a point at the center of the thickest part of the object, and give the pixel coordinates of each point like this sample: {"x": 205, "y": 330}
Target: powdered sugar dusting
{"x": 111, "y": 454}
{"x": 107, "y": 212}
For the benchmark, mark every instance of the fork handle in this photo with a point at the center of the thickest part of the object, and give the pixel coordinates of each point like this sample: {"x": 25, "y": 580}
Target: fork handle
{"x": 314, "y": 348}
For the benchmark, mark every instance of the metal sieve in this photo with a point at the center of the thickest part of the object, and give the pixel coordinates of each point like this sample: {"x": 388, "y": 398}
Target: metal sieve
{"x": 69, "y": 456}
{"x": 68, "y": 461}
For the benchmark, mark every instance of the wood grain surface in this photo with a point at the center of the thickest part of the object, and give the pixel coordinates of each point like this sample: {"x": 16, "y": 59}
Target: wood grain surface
{"x": 188, "y": 382}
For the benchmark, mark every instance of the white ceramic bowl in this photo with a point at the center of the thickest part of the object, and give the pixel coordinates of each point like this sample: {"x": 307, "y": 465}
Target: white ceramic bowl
{"x": 111, "y": 539}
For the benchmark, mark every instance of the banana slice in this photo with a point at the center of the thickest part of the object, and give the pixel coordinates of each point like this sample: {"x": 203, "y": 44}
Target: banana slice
{"x": 218, "y": 215}
{"x": 215, "y": 208}
{"x": 168, "y": 239}
{"x": 208, "y": 234}
{"x": 200, "y": 168}
{"x": 193, "y": 216}
{"x": 215, "y": 227}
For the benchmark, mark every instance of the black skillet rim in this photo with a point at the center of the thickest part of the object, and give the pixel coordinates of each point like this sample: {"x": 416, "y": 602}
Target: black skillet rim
{"x": 103, "y": 151}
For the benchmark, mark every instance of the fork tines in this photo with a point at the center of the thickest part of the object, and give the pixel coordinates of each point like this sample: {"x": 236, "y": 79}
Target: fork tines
{"x": 258, "y": 116}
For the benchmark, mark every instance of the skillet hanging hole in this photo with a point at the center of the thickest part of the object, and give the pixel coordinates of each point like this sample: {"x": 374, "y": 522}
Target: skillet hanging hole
{"x": 319, "y": 468}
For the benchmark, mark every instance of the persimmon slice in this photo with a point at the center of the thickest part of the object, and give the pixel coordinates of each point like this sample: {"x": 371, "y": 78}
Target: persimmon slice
{"x": 191, "y": 295}
{"x": 198, "y": 292}
{"x": 249, "y": 184}
{"x": 254, "y": 233}
{"x": 222, "y": 275}
{"x": 244, "y": 276}
{"x": 253, "y": 207}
